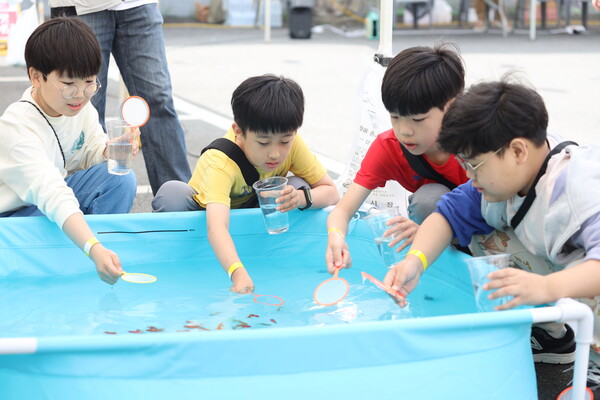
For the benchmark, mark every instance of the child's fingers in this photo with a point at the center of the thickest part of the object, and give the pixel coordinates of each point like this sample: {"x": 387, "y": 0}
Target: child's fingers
{"x": 107, "y": 277}
{"x": 404, "y": 244}
{"x": 346, "y": 259}
{"x": 508, "y": 305}
{"x": 286, "y": 195}
{"x": 390, "y": 277}
{"x": 335, "y": 258}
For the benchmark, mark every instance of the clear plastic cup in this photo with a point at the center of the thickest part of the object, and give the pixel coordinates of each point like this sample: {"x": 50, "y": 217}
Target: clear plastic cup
{"x": 377, "y": 222}
{"x": 119, "y": 149}
{"x": 479, "y": 269}
{"x": 267, "y": 191}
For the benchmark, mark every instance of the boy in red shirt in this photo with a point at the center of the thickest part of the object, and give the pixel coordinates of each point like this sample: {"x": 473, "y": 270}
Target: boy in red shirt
{"x": 418, "y": 86}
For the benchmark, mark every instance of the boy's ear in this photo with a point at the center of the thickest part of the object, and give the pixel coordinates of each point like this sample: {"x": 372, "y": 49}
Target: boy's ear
{"x": 237, "y": 130}
{"x": 520, "y": 149}
{"x": 35, "y": 77}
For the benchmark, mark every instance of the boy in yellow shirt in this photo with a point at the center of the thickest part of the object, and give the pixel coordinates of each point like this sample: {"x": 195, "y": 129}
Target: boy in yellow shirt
{"x": 267, "y": 111}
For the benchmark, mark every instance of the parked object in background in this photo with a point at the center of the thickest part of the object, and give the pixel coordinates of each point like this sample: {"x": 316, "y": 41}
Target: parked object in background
{"x": 276, "y": 13}
{"x": 241, "y": 13}
{"x": 442, "y": 12}
{"x": 202, "y": 11}
{"x": 25, "y": 24}
{"x": 372, "y": 25}
{"x": 417, "y": 12}
{"x": 216, "y": 15}
{"x": 301, "y": 19}
{"x": 9, "y": 13}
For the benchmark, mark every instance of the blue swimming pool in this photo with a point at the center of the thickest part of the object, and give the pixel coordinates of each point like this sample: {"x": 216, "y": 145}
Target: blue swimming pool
{"x": 66, "y": 335}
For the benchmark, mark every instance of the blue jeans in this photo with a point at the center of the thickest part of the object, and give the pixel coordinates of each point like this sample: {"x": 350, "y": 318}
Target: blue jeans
{"x": 135, "y": 38}
{"x": 97, "y": 192}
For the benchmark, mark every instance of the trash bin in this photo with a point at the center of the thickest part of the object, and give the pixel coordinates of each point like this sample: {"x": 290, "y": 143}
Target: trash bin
{"x": 301, "y": 19}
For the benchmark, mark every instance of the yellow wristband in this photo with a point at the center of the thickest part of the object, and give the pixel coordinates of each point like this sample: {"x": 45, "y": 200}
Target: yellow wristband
{"x": 420, "y": 254}
{"x": 89, "y": 244}
{"x": 233, "y": 267}
{"x": 336, "y": 230}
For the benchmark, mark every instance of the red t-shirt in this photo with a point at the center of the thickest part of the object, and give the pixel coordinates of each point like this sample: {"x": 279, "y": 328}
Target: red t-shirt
{"x": 385, "y": 161}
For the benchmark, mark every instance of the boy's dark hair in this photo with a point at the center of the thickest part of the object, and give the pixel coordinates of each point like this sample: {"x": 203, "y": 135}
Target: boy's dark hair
{"x": 420, "y": 78}
{"x": 65, "y": 45}
{"x": 268, "y": 104}
{"x": 491, "y": 114}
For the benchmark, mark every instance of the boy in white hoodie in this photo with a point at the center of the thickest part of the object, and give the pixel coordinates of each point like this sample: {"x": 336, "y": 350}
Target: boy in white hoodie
{"x": 52, "y": 147}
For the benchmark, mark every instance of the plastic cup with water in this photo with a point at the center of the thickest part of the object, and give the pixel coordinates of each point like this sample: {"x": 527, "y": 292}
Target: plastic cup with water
{"x": 119, "y": 148}
{"x": 377, "y": 222}
{"x": 267, "y": 191}
{"x": 479, "y": 269}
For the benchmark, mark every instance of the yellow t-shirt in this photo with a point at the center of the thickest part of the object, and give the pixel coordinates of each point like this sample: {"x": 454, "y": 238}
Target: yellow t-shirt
{"x": 218, "y": 179}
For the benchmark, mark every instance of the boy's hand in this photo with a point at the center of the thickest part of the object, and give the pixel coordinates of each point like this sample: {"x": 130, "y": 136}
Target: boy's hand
{"x": 525, "y": 287}
{"x": 337, "y": 254}
{"x": 402, "y": 228}
{"x": 290, "y": 198}
{"x": 107, "y": 264}
{"x": 404, "y": 276}
{"x": 136, "y": 142}
{"x": 242, "y": 283}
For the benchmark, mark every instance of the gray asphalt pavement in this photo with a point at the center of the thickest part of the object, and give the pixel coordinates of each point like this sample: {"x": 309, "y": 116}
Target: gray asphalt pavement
{"x": 206, "y": 64}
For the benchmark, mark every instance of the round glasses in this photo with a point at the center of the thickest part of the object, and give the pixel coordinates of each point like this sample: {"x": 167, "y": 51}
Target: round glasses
{"x": 70, "y": 91}
{"x": 467, "y": 166}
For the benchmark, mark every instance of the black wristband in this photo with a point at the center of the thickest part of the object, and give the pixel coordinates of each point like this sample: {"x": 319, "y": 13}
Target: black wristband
{"x": 308, "y": 197}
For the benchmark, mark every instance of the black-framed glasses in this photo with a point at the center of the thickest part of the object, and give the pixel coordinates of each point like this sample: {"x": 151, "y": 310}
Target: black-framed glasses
{"x": 467, "y": 166}
{"x": 70, "y": 91}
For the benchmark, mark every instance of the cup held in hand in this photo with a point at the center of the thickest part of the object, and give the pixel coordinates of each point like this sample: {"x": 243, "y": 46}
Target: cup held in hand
{"x": 268, "y": 190}
{"x": 119, "y": 148}
{"x": 479, "y": 269}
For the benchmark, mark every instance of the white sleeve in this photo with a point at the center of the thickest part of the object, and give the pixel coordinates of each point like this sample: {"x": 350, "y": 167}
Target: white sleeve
{"x": 27, "y": 169}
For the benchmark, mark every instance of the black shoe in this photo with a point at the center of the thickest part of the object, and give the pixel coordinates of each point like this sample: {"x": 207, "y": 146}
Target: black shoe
{"x": 593, "y": 376}
{"x": 547, "y": 349}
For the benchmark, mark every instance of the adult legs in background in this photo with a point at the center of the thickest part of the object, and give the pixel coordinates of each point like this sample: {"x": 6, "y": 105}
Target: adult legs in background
{"x": 482, "y": 10}
{"x": 423, "y": 202}
{"x": 135, "y": 38}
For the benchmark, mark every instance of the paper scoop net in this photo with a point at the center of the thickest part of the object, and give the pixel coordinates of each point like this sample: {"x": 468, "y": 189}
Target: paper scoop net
{"x": 331, "y": 291}
{"x": 135, "y": 277}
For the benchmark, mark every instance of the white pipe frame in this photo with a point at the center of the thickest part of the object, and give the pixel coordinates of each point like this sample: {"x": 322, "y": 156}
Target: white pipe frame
{"x": 582, "y": 315}
{"x": 386, "y": 18}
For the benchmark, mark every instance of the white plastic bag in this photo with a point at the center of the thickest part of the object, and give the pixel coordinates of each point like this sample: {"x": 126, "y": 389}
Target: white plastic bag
{"x": 440, "y": 13}
{"x": 373, "y": 120}
{"x": 18, "y": 35}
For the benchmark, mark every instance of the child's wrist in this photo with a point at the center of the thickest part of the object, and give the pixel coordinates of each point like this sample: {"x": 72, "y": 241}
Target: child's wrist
{"x": 87, "y": 247}
{"x": 336, "y": 231}
{"x": 421, "y": 256}
{"x": 235, "y": 266}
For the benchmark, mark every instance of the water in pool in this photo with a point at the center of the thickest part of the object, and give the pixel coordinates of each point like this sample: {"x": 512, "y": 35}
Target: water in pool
{"x": 194, "y": 296}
